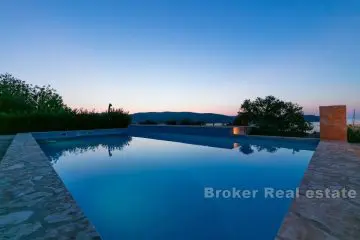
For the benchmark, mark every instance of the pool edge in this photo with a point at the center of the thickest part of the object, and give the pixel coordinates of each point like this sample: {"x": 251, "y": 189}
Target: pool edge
{"x": 333, "y": 163}
{"x": 34, "y": 201}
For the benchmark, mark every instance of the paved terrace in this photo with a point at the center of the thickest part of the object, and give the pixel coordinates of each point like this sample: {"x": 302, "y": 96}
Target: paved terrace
{"x": 34, "y": 203}
{"x": 333, "y": 165}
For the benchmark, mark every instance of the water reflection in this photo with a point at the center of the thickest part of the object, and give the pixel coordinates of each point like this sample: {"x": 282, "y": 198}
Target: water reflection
{"x": 246, "y": 145}
{"x": 246, "y": 149}
{"x": 251, "y": 146}
{"x": 57, "y": 149}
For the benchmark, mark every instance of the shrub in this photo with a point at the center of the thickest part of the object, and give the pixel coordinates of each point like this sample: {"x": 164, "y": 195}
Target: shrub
{"x": 170, "y": 122}
{"x": 148, "y": 122}
{"x": 185, "y": 122}
{"x": 353, "y": 134}
{"x": 190, "y": 122}
{"x": 200, "y": 123}
{"x": 63, "y": 120}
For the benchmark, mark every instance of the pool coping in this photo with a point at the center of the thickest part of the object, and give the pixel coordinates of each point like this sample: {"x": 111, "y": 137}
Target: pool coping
{"x": 34, "y": 202}
{"x": 334, "y": 165}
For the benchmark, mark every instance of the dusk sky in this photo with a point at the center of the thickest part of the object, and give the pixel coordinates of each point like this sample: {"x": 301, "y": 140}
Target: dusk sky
{"x": 201, "y": 56}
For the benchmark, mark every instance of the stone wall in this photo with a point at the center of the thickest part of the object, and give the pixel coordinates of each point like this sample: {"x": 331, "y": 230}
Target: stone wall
{"x": 333, "y": 123}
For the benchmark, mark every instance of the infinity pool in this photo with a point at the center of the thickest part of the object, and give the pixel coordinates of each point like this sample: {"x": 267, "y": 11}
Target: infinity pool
{"x": 153, "y": 188}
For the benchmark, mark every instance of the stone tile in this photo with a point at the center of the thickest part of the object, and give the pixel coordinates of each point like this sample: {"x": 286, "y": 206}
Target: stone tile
{"x": 34, "y": 203}
{"x": 334, "y": 165}
{"x": 15, "y": 217}
{"x": 22, "y": 230}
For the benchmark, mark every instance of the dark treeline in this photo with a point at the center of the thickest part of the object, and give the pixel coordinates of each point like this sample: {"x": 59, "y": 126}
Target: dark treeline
{"x": 174, "y": 122}
{"x": 26, "y": 108}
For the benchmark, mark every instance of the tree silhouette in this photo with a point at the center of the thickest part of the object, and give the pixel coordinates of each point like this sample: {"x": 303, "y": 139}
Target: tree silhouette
{"x": 272, "y": 116}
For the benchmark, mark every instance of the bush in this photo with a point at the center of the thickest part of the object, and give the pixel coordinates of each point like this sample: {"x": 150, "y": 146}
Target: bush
{"x": 353, "y": 134}
{"x": 148, "y": 122}
{"x": 185, "y": 122}
{"x": 200, "y": 123}
{"x": 190, "y": 122}
{"x": 170, "y": 122}
{"x": 11, "y": 123}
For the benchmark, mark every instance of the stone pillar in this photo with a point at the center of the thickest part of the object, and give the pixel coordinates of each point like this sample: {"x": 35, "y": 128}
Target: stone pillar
{"x": 333, "y": 124}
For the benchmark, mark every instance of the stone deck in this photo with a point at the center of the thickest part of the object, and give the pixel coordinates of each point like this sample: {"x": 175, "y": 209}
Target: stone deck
{"x": 34, "y": 203}
{"x": 5, "y": 141}
{"x": 334, "y": 165}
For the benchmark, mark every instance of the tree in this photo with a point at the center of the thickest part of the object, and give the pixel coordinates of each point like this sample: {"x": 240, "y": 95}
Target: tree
{"x": 15, "y": 95}
{"x": 170, "y": 122}
{"x": 272, "y": 116}
{"x": 46, "y": 99}
{"x": 18, "y": 96}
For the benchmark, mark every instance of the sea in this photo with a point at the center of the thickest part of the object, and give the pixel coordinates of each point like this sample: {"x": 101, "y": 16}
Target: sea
{"x": 317, "y": 124}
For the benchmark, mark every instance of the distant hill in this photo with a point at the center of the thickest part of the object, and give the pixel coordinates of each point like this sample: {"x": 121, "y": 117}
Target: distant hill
{"x": 164, "y": 116}
{"x": 203, "y": 117}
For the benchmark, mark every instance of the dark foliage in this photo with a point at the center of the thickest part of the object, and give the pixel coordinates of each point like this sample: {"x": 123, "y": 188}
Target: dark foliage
{"x": 148, "y": 122}
{"x": 64, "y": 120}
{"x": 200, "y": 123}
{"x": 272, "y": 116}
{"x": 353, "y": 134}
{"x": 18, "y": 96}
{"x": 186, "y": 122}
{"x": 170, "y": 122}
{"x": 190, "y": 122}
{"x": 28, "y": 108}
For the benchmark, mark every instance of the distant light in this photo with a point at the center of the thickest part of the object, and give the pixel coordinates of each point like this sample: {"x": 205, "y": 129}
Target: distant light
{"x": 237, "y": 131}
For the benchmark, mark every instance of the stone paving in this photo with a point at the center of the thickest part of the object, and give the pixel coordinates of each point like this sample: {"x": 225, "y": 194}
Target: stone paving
{"x": 5, "y": 141}
{"x": 34, "y": 203}
{"x": 334, "y": 165}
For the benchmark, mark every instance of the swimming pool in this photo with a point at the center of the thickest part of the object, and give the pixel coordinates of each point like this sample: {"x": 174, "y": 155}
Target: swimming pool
{"x": 153, "y": 186}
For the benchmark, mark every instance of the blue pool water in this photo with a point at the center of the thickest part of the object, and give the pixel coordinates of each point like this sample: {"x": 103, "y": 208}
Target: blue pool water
{"x": 153, "y": 188}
